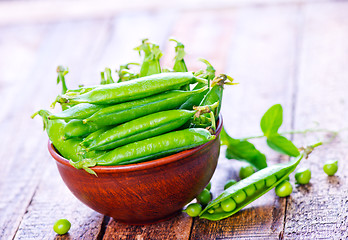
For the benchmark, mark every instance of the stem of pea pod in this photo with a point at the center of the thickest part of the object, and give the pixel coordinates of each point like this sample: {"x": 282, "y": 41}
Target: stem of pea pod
{"x": 179, "y": 64}
{"x": 62, "y": 71}
{"x": 152, "y": 55}
{"x": 125, "y": 74}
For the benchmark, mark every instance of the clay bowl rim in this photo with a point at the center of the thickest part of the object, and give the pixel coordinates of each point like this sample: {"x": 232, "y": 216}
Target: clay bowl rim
{"x": 137, "y": 166}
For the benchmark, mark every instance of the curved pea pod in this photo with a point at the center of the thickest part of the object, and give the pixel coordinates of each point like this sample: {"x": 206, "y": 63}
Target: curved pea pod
{"x": 76, "y": 128}
{"x": 141, "y": 128}
{"x": 70, "y": 149}
{"x": 127, "y": 111}
{"x": 216, "y": 92}
{"x": 248, "y": 190}
{"x": 131, "y": 90}
{"x": 151, "y": 148}
{"x": 79, "y": 111}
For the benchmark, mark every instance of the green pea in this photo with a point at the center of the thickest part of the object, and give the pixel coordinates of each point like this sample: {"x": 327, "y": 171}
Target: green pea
{"x": 61, "y": 226}
{"x": 246, "y": 171}
{"x": 229, "y": 183}
{"x": 250, "y": 190}
{"x": 239, "y": 196}
{"x": 204, "y": 197}
{"x": 303, "y": 176}
{"x": 208, "y": 186}
{"x": 228, "y": 205}
{"x": 283, "y": 189}
{"x": 330, "y": 167}
{"x": 193, "y": 210}
{"x": 260, "y": 184}
{"x": 218, "y": 210}
{"x": 271, "y": 180}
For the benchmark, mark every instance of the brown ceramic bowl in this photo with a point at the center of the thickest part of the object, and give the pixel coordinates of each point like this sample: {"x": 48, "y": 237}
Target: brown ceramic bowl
{"x": 145, "y": 192}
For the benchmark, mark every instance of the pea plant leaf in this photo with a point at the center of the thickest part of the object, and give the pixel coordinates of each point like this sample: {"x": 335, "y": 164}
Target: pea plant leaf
{"x": 282, "y": 145}
{"x": 242, "y": 150}
{"x": 272, "y": 120}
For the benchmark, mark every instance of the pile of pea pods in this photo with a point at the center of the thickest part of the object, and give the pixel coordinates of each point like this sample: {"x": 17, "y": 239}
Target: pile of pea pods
{"x": 148, "y": 113}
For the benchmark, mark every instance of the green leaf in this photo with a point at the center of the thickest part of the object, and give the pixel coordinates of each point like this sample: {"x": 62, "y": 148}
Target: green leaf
{"x": 282, "y": 145}
{"x": 242, "y": 150}
{"x": 272, "y": 120}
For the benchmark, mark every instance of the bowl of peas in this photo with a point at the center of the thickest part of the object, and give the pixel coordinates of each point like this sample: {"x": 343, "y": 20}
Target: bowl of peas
{"x": 145, "y": 192}
{"x": 140, "y": 148}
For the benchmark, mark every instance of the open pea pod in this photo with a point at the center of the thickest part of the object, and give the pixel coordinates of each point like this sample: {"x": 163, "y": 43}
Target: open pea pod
{"x": 248, "y": 190}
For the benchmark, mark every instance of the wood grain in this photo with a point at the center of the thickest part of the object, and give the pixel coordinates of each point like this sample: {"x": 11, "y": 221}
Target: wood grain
{"x": 53, "y": 201}
{"x": 175, "y": 228}
{"x": 319, "y": 210}
{"x": 18, "y": 177}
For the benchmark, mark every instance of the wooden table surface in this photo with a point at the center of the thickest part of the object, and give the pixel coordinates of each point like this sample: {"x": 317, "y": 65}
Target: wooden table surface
{"x": 289, "y": 52}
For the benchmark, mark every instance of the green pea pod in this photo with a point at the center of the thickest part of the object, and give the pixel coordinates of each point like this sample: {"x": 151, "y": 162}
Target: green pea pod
{"x": 151, "y": 148}
{"x": 141, "y": 128}
{"x": 152, "y": 55}
{"x": 131, "y": 90}
{"x": 79, "y": 111}
{"x": 70, "y": 149}
{"x": 76, "y": 128}
{"x": 127, "y": 111}
{"x": 248, "y": 190}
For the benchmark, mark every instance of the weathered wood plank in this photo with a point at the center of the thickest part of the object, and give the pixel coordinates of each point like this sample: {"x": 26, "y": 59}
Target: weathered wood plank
{"x": 52, "y": 201}
{"x": 19, "y": 142}
{"x": 27, "y": 163}
{"x": 261, "y": 58}
{"x": 319, "y": 210}
{"x": 176, "y": 228}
